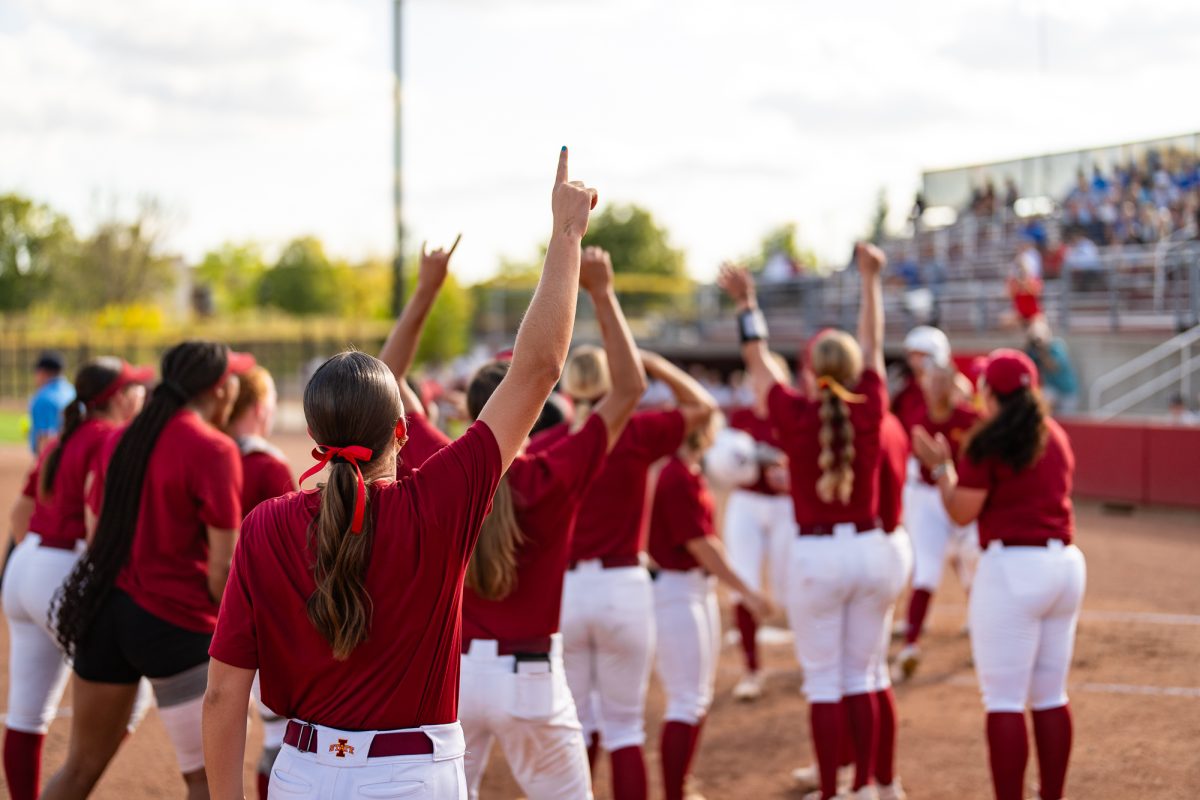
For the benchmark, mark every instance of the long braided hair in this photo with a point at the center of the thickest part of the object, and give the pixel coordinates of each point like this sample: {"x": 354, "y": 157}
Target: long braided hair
{"x": 835, "y": 356}
{"x": 188, "y": 370}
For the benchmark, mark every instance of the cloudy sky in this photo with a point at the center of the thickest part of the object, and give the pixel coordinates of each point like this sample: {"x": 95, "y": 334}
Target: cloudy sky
{"x": 266, "y": 119}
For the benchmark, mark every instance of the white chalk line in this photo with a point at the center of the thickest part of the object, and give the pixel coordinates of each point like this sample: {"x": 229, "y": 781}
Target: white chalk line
{"x": 1104, "y": 688}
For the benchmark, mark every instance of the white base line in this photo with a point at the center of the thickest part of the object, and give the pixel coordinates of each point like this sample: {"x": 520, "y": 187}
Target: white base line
{"x": 1105, "y": 688}
{"x": 1106, "y": 616}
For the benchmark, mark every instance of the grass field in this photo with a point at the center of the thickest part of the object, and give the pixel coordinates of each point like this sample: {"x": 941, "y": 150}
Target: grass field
{"x": 12, "y": 427}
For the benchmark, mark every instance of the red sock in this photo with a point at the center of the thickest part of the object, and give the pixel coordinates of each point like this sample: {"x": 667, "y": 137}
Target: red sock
{"x": 846, "y": 756}
{"x": 1052, "y": 732}
{"x": 264, "y": 780}
{"x": 827, "y": 723}
{"x": 23, "y": 763}
{"x": 628, "y": 773}
{"x": 678, "y": 739}
{"x": 593, "y": 750}
{"x": 864, "y": 725}
{"x": 748, "y": 627}
{"x": 885, "y": 753}
{"x": 1008, "y": 750}
{"x": 697, "y": 730}
{"x": 918, "y": 607}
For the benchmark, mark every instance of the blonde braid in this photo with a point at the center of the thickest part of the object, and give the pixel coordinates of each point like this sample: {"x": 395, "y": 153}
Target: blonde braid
{"x": 837, "y": 470}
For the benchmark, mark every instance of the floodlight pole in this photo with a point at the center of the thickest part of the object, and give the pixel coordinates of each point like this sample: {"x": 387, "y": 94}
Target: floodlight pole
{"x": 397, "y": 176}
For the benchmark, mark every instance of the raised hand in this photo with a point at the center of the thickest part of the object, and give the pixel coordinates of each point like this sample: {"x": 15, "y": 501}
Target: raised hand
{"x": 930, "y": 450}
{"x": 571, "y": 202}
{"x": 596, "y": 271}
{"x": 870, "y": 259}
{"x": 435, "y": 265}
{"x": 736, "y": 282}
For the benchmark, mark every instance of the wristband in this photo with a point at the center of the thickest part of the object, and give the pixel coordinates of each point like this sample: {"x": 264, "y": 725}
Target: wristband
{"x": 937, "y": 472}
{"x": 752, "y": 325}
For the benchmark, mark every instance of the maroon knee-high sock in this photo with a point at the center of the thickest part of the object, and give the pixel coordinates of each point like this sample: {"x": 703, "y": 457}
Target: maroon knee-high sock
{"x": 864, "y": 725}
{"x": 593, "y": 750}
{"x": 1052, "y": 732}
{"x": 827, "y": 722}
{"x": 885, "y": 751}
{"x": 1008, "y": 750}
{"x": 628, "y": 773}
{"x": 23, "y": 763}
{"x": 264, "y": 780}
{"x": 697, "y": 729}
{"x": 748, "y": 628}
{"x": 846, "y": 756}
{"x": 678, "y": 739}
{"x": 918, "y": 607}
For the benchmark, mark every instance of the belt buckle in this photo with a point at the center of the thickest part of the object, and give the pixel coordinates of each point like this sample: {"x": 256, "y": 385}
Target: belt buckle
{"x": 307, "y": 742}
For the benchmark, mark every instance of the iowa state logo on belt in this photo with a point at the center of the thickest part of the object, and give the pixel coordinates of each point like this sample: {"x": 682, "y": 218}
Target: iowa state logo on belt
{"x": 341, "y": 748}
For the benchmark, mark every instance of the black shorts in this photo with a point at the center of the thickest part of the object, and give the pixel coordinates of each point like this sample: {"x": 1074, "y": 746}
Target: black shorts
{"x": 125, "y": 642}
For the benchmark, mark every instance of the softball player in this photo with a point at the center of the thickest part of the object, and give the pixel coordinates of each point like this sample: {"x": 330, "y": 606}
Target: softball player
{"x": 608, "y": 605}
{"x": 514, "y": 691}
{"x": 109, "y": 393}
{"x": 1014, "y": 476}
{"x": 923, "y": 346}
{"x": 839, "y": 586}
{"x": 142, "y": 601}
{"x": 265, "y": 474}
{"x": 758, "y": 531}
{"x": 935, "y": 538}
{"x": 691, "y": 559}
{"x": 347, "y": 599}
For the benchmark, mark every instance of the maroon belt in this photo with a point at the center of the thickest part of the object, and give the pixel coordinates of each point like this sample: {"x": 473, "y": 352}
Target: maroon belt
{"x": 864, "y": 526}
{"x": 611, "y": 562}
{"x": 402, "y": 743}
{"x": 59, "y": 545}
{"x": 516, "y": 647}
{"x": 1027, "y": 543}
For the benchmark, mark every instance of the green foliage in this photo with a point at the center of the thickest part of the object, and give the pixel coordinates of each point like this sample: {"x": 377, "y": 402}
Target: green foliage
{"x": 878, "y": 230}
{"x": 636, "y": 242}
{"x": 782, "y": 239}
{"x": 448, "y": 329}
{"x": 233, "y": 273}
{"x": 303, "y": 281}
{"x": 34, "y": 241}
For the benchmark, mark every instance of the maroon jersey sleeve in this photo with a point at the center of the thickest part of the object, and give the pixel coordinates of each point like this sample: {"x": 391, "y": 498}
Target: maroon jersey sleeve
{"x": 235, "y": 641}
{"x": 683, "y": 516}
{"x": 658, "y": 433}
{"x": 216, "y": 484}
{"x": 974, "y": 475}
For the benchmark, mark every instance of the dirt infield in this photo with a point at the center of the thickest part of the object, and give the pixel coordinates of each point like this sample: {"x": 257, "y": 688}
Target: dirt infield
{"x": 1135, "y": 688}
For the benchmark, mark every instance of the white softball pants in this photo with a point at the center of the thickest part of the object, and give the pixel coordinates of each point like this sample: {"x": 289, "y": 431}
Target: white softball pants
{"x": 528, "y": 709}
{"x": 608, "y": 649}
{"x": 758, "y": 532}
{"x": 900, "y": 565}
{"x": 935, "y": 538}
{"x": 1023, "y": 613}
{"x": 37, "y": 670}
{"x": 321, "y": 775}
{"x": 839, "y": 590}
{"x": 689, "y": 642}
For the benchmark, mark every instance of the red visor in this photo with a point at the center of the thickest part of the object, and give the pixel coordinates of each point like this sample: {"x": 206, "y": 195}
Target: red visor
{"x": 128, "y": 375}
{"x": 238, "y": 364}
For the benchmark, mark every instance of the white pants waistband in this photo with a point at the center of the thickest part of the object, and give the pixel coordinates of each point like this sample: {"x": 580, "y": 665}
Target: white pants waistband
{"x": 353, "y": 746}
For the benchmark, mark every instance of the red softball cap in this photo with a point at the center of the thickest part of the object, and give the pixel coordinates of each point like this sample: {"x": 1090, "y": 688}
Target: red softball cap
{"x": 129, "y": 374}
{"x": 1009, "y": 370}
{"x": 239, "y": 363}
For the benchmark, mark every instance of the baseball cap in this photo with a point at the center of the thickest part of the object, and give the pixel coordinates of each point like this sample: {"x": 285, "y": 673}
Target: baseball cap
{"x": 239, "y": 363}
{"x": 50, "y": 360}
{"x": 1009, "y": 370}
{"x": 129, "y": 374}
{"x": 930, "y": 341}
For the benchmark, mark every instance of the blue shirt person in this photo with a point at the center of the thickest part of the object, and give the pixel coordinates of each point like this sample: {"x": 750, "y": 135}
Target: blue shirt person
{"x": 54, "y": 393}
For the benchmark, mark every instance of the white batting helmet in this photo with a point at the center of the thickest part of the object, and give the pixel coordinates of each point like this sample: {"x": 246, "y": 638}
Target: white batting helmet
{"x": 930, "y": 341}
{"x": 732, "y": 461}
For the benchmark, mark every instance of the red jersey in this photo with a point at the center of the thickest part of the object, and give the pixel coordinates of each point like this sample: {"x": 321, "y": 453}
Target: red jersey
{"x": 909, "y": 404}
{"x": 893, "y": 469}
{"x": 955, "y": 428}
{"x": 64, "y": 522}
{"x": 406, "y": 672}
{"x": 611, "y": 517}
{"x": 193, "y": 481}
{"x": 682, "y": 511}
{"x": 265, "y": 472}
{"x": 1033, "y": 505}
{"x": 42, "y": 515}
{"x": 796, "y": 418}
{"x": 763, "y": 432}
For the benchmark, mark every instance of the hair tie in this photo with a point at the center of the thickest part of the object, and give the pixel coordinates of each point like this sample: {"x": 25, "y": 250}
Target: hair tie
{"x": 345, "y": 455}
{"x": 826, "y": 382}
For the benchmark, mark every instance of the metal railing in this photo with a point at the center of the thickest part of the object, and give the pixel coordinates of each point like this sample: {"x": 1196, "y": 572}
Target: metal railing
{"x": 1135, "y": 371}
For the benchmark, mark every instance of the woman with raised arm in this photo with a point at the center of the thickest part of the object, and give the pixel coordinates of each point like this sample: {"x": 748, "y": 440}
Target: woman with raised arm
{"x": 347, "y": 598}
{"x": 513, "y": 691}
{"x": 839, "y": 591}
{"x": 1014, "y": 476}
{"x": 50, "y": 540}
{"x": 608, "y": 605}
{"x": 142, "y": 601}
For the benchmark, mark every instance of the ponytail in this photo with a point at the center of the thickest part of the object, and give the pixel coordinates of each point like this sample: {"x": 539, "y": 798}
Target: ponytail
{"x": 188, "y": 370}
{"x": 837, "y": 469}
{"x": 92, "y": 381}
{"x": 492, "y": 571}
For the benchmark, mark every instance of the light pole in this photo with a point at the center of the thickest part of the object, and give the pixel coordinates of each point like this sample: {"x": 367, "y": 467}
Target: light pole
{"x": 397, "y": 177}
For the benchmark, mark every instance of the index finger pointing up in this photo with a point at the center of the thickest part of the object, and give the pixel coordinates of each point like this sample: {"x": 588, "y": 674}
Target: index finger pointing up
{"x": 562, "y": 166}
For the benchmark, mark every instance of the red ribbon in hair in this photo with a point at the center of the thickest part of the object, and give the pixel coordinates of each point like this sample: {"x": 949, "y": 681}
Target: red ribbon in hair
{"x": 352, "y": 454}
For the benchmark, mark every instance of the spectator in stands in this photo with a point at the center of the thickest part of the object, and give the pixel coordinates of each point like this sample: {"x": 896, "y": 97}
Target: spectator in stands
{"x": 1025, "y": 282}
{"x": 1178, "y": 412}
{"x": 1082, "y": 260}
{"x": 1011, "y": 195}
{"x": 54, "y": 393}
{"x": 1060, "y": 387}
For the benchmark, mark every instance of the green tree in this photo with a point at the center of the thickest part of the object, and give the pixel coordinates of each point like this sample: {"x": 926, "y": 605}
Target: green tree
{"x": 34, "y": 241}
{"x": 636, "y": 242}
{"x": 304, "y": 281}
{"x": 365, "y": 289}
{"x": 448, "y": 330}
{"x": 232, "y": 273}
{"x": 782, "y": 239}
